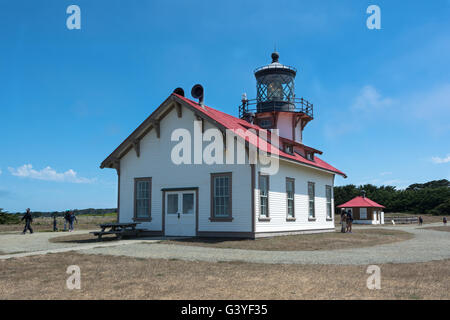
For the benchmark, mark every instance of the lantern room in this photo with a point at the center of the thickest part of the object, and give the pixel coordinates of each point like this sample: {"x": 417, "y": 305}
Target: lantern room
{"x": 276, "y": 105}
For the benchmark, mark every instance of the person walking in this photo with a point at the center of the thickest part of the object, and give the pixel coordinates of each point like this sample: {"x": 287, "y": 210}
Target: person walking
{"x": 444, "y": 220}
{"x": 349, "y": 221}
{"x": 420, "y": 220}
{"x": 28, "y": 220}
{"x": 72, "y": 219}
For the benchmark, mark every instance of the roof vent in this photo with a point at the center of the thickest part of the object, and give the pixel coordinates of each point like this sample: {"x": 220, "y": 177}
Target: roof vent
{"x": 363, "y": 192}
{"x": 197, "y": 92}
{"x": 179, "y": 91}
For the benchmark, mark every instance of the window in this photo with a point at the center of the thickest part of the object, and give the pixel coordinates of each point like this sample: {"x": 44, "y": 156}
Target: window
{"x": 311, "y": 196}
{"x": 310, "y": 156}
{"x": 263, "y": 196}
{"x": 188, "y": 203}
{"x": 289, "y": 148}
{"x": 221, "y": 196}
{"x": 142, "y": 198}
{"x": 290, "y": 192}
{"x": 328, "y": 191}
{"x": 265, "y": 123}
{"x": 172, "y": 203}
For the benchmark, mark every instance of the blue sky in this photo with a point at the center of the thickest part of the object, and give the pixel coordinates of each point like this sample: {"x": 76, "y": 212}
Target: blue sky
{"x": 69, "y": 97}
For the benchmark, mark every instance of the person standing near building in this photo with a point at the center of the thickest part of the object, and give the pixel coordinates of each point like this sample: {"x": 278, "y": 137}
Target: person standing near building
{"x": 28, "y": 220}
{"x": 343, "y": 221}
{"x": 349, "y": 221}
{"x": 420, "y": 220}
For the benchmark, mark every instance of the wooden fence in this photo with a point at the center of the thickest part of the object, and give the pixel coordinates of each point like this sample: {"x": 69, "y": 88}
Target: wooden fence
{"x": 401, "y": 220}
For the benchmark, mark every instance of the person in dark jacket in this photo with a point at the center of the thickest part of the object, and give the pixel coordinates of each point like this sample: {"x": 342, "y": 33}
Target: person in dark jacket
{"x": 66, "y": 219}
{"x": 28, "y": 219}
{"x": 349, "y": 221}
{"x": 72, "y": 219}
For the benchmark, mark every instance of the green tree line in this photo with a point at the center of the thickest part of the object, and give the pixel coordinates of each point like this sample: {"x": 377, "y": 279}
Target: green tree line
{"x": 90, "y": 211}
{"x": 422, "y": 198}
{"x": 7, "y": 218}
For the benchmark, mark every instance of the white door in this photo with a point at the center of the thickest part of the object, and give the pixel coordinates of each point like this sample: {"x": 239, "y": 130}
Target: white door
{"x": 363, "y": 213}
{"x": 180, "y": 213}
{"x": 375, "y": 217}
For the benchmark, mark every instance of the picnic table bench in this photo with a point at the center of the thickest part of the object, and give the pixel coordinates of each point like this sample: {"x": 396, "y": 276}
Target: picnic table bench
{"x": 119, "y": 229}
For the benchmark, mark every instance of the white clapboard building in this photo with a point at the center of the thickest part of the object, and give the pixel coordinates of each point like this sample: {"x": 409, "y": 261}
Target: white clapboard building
{"x": 191, "y": 170}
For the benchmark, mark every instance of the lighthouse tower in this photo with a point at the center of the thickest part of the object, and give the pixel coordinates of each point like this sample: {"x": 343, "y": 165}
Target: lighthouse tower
{"x": 276, "y": 106}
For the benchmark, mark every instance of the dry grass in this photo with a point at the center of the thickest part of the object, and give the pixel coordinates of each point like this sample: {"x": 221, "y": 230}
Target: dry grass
{"x": 427, "y": 218}
{"x": 441, "y": 228}
{"x": 319, "y": 241}
{"x": 46, "y": 223}
{"x": 108, "y": 277}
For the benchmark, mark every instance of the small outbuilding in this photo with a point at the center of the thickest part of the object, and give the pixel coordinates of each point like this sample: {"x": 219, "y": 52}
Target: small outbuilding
{"x": 364, "y": 210}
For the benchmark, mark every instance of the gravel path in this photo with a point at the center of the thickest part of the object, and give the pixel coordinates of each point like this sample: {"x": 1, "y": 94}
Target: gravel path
{"x": 17, "y": 245}
{"x": 427, "y": 245}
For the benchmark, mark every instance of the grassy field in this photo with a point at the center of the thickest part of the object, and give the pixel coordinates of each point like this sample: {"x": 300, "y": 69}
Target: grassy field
{"x": 85, "y": 222}
{"x": 319, "y": 241}
{"x": 108, "y": 277}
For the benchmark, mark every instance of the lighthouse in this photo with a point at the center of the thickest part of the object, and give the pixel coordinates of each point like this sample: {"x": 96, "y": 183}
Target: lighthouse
{"x": 276, "y": 105}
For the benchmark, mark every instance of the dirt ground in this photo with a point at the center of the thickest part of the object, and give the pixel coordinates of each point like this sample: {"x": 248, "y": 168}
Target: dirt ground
{"x": 319, "y": 241}
{"x": 46, "y": 223}
{"x": 441, "y": 228}
{"x": 108, "y": 277}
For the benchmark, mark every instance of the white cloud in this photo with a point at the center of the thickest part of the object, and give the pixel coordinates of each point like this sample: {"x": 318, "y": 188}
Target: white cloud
{"x": 48, "y": 174}
{"x": 387, "y": 173}
{"x": 366, "y": 105}
{"x": 369, "y": 98}
{"x": 439, "y": 160}
{"x": 0, "y": 171}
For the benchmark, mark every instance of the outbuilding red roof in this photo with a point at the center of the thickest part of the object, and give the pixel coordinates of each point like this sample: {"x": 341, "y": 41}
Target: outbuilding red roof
{"x": 361, "y": 202}
{"x": 233, "y": 123}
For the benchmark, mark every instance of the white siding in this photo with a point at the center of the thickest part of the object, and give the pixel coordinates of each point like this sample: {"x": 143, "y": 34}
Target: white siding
{"x": 278, "y": 201}
{"x": 285, "y": 125}
{"x": 155, "y": 162}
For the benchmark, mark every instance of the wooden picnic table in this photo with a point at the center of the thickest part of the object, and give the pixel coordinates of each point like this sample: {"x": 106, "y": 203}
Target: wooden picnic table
{"x": 119, "y": 229}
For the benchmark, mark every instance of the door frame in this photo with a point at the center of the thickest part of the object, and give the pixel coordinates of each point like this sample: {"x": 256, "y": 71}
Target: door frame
{"x": 164, "y": 191}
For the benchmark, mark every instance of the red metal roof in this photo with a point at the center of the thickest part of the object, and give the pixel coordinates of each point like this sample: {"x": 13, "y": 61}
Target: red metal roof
{"x": 361, "y": 202}
{"x": 231, "y": 122}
